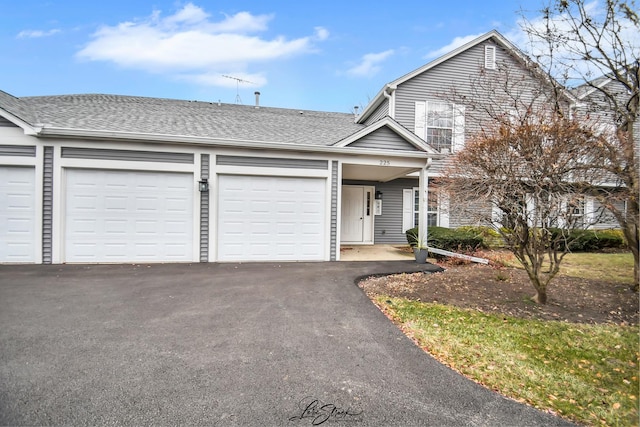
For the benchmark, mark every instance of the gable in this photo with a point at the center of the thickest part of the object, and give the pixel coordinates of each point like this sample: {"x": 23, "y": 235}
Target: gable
{"x": 5, "y": 123}
{"x": 384, "y": 139}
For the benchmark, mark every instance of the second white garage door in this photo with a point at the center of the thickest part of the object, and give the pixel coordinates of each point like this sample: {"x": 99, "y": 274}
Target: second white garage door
{"x": 271, "y": 218}
{"x": 128, "y": 216}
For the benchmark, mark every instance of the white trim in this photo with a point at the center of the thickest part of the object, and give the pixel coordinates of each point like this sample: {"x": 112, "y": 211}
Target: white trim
{"x": 459, "y": 122}
{"x": 39, "y": 194}
{"x": 26, "y": 127}
{"x": 196, "y": 208}
{"x": 420, "y": 118}
{"x": 407, "y": 209}
{"x": 327, "y": 217}
{"x": 423, "y": 204}
{"x": 285, "y": 172}
{"x": 457, "y": 255}
{"x": 214, "y": 195}
{"x": 125, "y": 165}
{"x": 443, "y": 209}
{"x": 589, "y": 211}
{"x": 338, "y": 211}
{"x": 160, "y": 139}
{"x": 58, "y": 211}
{"x": 19, "y": 160}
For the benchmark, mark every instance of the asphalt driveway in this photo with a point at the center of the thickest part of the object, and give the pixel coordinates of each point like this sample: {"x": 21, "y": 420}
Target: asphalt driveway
{"x": 222, "y": 344}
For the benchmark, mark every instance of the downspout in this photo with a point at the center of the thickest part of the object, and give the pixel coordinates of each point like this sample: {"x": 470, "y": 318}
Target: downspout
{"x": 388, "y": 93}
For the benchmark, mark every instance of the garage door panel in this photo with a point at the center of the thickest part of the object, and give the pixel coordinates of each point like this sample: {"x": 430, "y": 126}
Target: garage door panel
{"x": 271, "y": 218}
{"x": 17, "y": 214}
{"x": 128, "y": 216}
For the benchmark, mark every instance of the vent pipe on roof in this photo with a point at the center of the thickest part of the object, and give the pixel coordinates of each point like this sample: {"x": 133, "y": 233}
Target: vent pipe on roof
{"x": 355, "y": 109}
{"x": 257, "y": 94}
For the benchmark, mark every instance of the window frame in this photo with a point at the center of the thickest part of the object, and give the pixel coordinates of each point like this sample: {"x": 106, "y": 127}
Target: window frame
{"x": 430, "y": 213}
{"x": 431, "y": 123}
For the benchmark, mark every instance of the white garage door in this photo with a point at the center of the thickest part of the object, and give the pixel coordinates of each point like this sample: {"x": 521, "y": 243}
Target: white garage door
{"x": 128, "y": 216}
{"x": 17, "y": 214}
{"x": 271, "y": 218}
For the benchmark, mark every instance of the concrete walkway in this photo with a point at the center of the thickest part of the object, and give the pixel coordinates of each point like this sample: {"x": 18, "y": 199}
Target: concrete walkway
{"x": 375, "y": 253}
{"x": 288, "y": 344}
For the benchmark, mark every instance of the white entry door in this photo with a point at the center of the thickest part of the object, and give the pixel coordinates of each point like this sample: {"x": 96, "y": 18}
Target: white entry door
{"x": 356, "y": 224}
{"x": 265, "y": 218}
{"x": 17, "y": 214}
{"x": 128, "y": 216}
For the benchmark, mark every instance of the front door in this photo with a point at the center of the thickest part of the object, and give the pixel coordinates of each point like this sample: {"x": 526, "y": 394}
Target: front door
{"x": 357, "y": 214}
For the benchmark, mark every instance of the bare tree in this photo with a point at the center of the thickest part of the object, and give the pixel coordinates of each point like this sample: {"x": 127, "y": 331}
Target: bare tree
{"x": 597, "y": 47}
{"x": 529, "y": 171}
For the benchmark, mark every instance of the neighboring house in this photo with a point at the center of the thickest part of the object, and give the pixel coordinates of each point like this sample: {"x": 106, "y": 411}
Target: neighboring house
{"x": 446, "y": 102}
{"x": 105, "y": 178}
{"x": 592, "y": 105}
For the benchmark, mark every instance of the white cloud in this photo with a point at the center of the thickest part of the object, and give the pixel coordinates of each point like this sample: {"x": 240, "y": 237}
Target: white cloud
{"x": 456, "y": 43}
{"x": 368, "y": 66}
{"x": 190, "y": 45}
{"x": 321, "y": 33}
{"x": 34, "y": 34}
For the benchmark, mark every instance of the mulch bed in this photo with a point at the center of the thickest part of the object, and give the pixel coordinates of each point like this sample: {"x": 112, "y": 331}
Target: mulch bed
{"x": 508, "y": 291}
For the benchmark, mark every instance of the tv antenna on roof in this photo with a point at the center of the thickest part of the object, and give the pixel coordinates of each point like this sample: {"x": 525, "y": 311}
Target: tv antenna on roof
{"x": 238, "y": 81}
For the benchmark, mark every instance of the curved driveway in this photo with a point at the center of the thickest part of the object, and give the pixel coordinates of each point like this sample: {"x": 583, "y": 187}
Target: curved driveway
{"x": 222, "y": 344}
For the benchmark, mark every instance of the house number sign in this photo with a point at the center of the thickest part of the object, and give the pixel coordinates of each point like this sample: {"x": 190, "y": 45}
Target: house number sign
{"x": 385, "y": 162}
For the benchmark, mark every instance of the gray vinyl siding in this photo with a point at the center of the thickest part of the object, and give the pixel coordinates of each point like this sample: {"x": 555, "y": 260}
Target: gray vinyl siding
{"x": 381, "y": 112}
{"x": 128, "y": 155}
{"x": 47, "y": 206}
{"x": 271, "y": 162}
{"x": 607, "y": 220}
{"x": 18, "y": 150}
{"x": 433, "y": 84}
{"x": 388, "y": 226}
{"x": 204, "y": 211}
{"x": 384, "y": 138}
{"x": 438, "y": 166}
{"x": 334, "y": 212}
{"x": 459, "y": 73}
{"x": 469, "y": 215}
{"x": 4, "y": 123}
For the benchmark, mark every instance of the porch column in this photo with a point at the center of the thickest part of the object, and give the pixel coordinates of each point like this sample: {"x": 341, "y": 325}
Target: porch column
{"x": 424, "y": 203}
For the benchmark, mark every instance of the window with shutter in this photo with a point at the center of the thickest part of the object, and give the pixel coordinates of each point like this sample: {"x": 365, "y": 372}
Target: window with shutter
{"x": 440, "y": 124}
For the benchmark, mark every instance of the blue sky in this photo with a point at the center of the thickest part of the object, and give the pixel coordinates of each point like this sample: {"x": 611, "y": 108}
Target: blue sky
{"x": 320, "y": 55}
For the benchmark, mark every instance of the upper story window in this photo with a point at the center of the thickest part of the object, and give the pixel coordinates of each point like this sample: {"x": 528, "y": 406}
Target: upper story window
{"x": 490, "y": 57}
{"x": 440, "y": 124}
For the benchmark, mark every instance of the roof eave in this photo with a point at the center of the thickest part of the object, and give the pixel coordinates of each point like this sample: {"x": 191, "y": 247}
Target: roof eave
{"x": 55, "y": 132}
{"x": 25, "y": 126}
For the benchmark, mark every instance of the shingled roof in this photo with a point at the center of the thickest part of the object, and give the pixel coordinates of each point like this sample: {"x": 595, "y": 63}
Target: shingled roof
{"x": 156, "y": 116}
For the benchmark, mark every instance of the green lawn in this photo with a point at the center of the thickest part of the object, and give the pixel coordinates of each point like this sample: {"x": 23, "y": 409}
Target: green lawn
{"x": 611, "y": 267}
{"x": 614, "y": 267}
{"x": 586, "y": 373}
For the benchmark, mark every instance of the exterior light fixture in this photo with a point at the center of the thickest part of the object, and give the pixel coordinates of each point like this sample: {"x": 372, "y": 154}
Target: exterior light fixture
{"x": 203, "y": 185}
{"x": 379, "y": 195}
